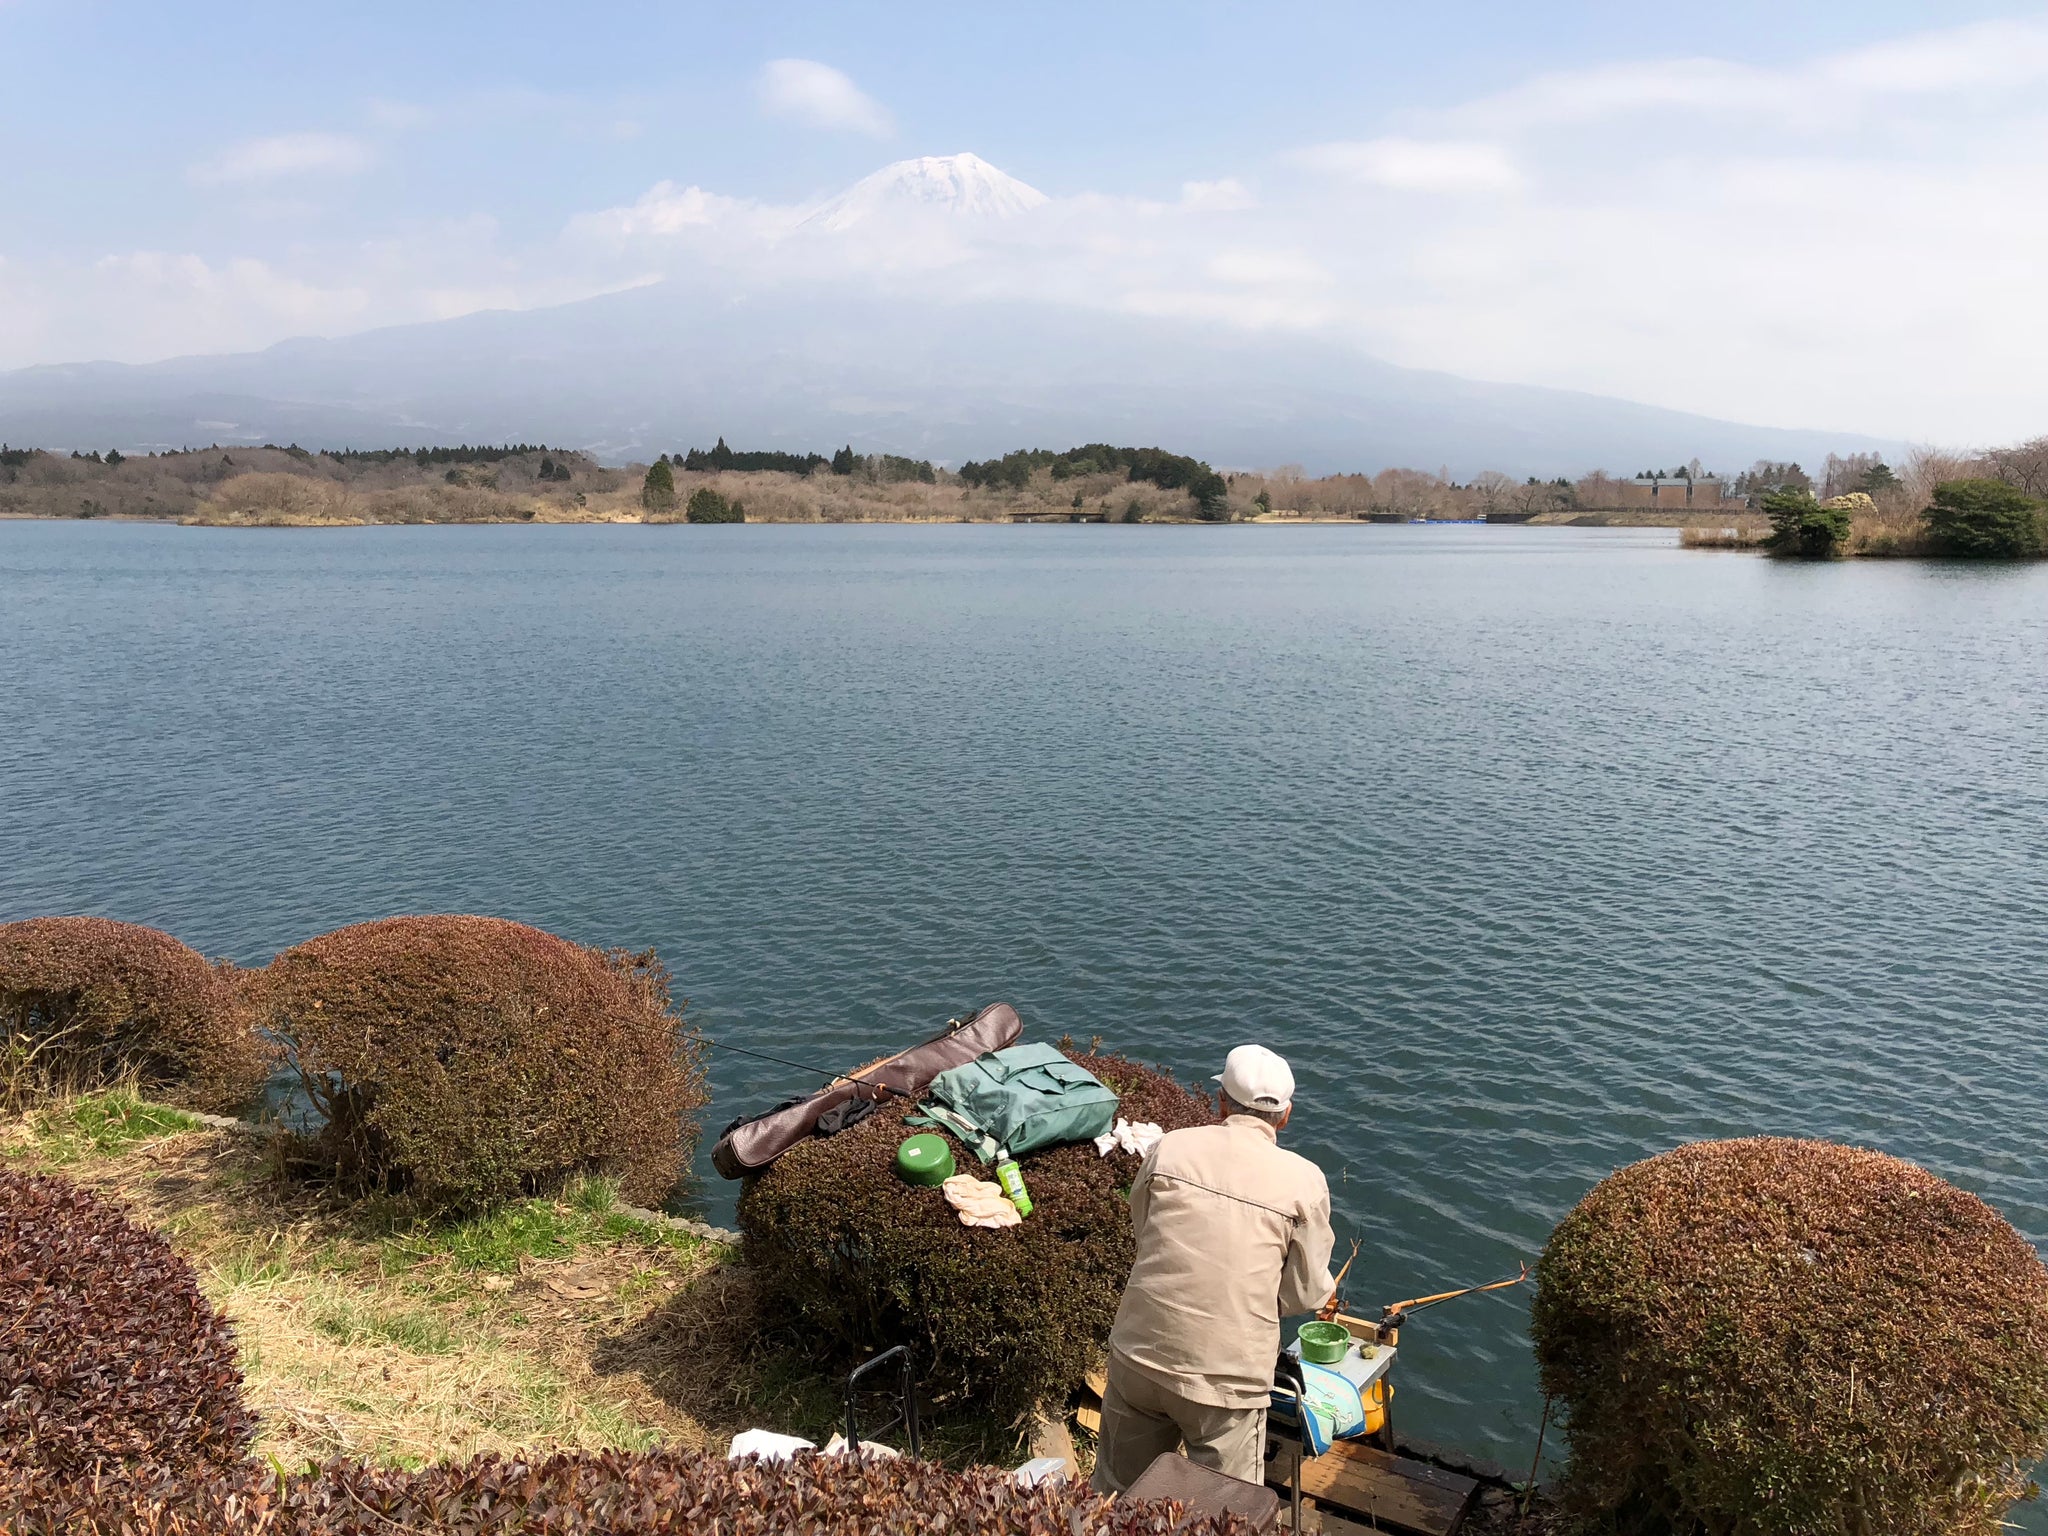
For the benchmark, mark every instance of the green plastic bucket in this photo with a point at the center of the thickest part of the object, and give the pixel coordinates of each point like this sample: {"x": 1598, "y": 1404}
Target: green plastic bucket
{"x": 924, "y": 1159}
{"x": 1323, "y": 1343}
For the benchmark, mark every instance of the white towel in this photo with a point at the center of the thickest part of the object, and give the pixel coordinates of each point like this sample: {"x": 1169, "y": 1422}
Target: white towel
{"x": 767, "y": 1445}
{"x": 980, "y": 1203}
{"x": 1139, "y": 1138}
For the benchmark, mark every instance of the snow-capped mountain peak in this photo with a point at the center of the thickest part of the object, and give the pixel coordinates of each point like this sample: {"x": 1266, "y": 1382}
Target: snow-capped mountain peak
{"x": 959, "y": 186}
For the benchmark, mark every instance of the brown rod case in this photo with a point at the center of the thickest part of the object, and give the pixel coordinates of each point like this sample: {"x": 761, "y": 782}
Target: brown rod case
{"x": 753, "y": 1144}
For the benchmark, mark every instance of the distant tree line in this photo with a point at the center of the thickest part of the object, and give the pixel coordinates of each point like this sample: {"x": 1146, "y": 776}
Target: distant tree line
{"x": 721, "y": 457}
{"x": 888, "y": 468}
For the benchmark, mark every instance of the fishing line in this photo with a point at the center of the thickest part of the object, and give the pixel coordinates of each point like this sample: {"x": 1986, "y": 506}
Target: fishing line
{"x": 831, "y": 1077}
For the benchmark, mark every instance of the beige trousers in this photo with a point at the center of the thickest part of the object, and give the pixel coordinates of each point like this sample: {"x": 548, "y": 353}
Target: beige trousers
{"x": 1142, "y": 1420}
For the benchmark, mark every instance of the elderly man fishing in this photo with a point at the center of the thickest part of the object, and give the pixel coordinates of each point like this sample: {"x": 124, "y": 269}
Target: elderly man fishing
{"x": 1233, "y": 1234}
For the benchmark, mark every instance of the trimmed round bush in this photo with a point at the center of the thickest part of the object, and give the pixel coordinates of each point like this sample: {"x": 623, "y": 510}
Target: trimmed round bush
{"x": 1009, "y": 1317}
{"x": 85, "y": 1001}
{"x": 459, "y": 1060}
{"x": 109, "y": 1356}
{"x": 1774, "y": 1336}
{"x": 648, "y": 1493}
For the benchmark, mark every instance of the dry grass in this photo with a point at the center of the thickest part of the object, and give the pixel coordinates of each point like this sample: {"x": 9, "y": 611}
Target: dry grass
{"x": 542, "y": 1325}
{"x": 1732, "y": 533}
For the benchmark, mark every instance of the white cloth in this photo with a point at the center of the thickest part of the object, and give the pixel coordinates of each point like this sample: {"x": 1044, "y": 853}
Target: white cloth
{"x": 767, "y": 1445}
{"x": 980, "y": 1203}
{"x": 1138, "y": 1138}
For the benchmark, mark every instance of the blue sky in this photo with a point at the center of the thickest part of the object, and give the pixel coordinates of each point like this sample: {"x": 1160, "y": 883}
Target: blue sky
{"x": 1446, "y": 184}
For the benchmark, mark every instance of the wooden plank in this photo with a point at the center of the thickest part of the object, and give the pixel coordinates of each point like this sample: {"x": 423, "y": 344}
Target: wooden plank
{"x": 1396, "y": 1492}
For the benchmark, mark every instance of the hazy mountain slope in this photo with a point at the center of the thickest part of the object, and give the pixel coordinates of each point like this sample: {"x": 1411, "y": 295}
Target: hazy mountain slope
{"x": 631, "y": 374}
{"x": 668, "y": 366}
{"x": 776, "y": 354}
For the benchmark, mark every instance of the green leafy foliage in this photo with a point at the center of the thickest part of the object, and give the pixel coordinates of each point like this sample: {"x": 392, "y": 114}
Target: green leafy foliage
{"x": 893, "y": 469}
{"x": 461, "y": 1060}
{"x": 613, "y": 1493}
{"x": 1168, "y": 471}
{"x": 1984, "y": 520}
{"x": 708, "y": 506}
{"x": 109, "y": 1355}
{"x": 1803, "y": 527}
{"x": 658, "y": 489}
{"x": 1005, "y": 1318}
{"x": 85, "y": 1001}
{"x": 1781, "y": 1338}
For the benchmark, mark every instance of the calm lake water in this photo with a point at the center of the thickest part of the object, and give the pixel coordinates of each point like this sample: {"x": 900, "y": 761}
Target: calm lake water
{"x": 1536, "y": 850}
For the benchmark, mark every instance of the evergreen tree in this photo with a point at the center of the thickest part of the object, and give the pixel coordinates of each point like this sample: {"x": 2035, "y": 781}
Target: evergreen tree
{"x": 114, "y": 456}
{"x": 707, "y": 506}
{"x": 842, "y": 461}
{"x": 658, "y": 490}
{"x": 1803, "y": 527}
{"x": 1985, "y": 520}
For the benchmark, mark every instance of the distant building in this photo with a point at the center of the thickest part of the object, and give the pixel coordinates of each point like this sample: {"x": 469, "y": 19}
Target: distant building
{"x": 1678, "y": 494}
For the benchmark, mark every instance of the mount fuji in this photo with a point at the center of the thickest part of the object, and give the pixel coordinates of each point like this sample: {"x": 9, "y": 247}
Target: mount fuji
{"x": 818, "y": 351}
{"x": 958, "y": 186}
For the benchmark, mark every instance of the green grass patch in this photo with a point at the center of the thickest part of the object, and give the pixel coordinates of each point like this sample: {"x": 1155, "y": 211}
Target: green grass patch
{"x": 97, "y": 1124}
{"x": 420, "y": 1333}
{"x": 498, "y": 1239}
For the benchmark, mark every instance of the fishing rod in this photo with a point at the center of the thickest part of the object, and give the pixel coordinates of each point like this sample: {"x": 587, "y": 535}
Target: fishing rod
{"x": 1394, "y": 1313}
{"x": 830, "y": 1077}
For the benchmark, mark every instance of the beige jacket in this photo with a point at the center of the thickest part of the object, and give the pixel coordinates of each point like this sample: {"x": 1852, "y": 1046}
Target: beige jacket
{"x": 1233, "y": 1234}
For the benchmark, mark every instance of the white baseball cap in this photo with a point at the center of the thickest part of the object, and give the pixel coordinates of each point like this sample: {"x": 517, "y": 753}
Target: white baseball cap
{"x": 1256, "y": 1078}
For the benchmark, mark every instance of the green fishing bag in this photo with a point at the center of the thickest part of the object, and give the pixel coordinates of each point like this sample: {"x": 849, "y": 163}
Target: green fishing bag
{"x": 1017, "y": 1101}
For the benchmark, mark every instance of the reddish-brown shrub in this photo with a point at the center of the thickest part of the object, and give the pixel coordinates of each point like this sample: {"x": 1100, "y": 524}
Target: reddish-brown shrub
{"x": 462, "y": 1059}
{"x": 651, "y": 1493}
{"x": 1774, "y": 1336}
{"x": 85, "y": 1001}
{"x": 1010, "y": 1317}
{"x": 108, "y": 1353}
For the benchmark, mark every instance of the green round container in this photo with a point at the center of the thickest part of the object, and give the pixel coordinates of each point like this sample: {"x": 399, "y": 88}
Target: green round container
{"x": 1323, "y": 1343}
{"x": 924, "y": 1159}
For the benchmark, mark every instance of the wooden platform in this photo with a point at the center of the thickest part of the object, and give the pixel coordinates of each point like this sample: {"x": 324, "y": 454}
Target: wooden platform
{"x": 1382, "y": 1490}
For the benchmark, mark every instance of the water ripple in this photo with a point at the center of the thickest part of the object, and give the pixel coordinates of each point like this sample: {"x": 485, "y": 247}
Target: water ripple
{"x": 1536, "y": 850}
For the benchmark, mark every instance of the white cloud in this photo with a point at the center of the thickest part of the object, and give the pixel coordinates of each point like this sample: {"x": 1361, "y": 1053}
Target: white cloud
{"x": 1849, "y": 241}
{"x": 1255, "y": 268}
{"x": 662, "y": 210}
{"x": 809, "y": 92}
{"x": 1416, "y": 165}
{"x": 1993, "y": 57}
{"x": 285, "y": 155}
{"x": 1228, "y": 195}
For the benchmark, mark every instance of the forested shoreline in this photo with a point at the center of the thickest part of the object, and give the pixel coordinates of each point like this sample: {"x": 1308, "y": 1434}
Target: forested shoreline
{"x": 1856, "y": 504}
